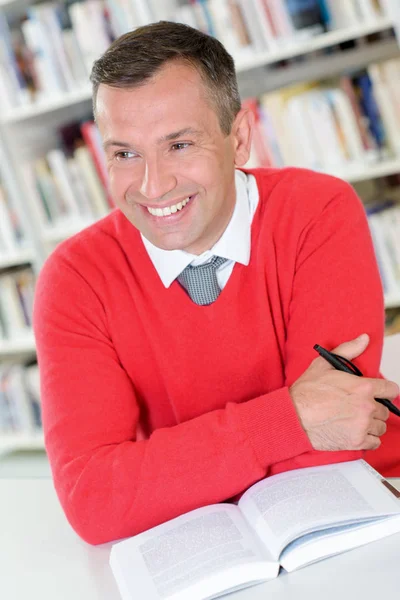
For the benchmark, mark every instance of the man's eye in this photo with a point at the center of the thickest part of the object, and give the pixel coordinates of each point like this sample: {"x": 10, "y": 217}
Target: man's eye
{"x": 180, "y": 145}
{"x": 124, "y": 155}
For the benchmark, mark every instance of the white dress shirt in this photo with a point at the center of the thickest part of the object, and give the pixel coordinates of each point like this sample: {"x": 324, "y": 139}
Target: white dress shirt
{"x": 234, "y": 244}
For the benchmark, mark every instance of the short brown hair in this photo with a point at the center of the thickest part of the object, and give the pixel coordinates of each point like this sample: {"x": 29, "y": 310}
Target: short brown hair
{"x": 136, "y": 56}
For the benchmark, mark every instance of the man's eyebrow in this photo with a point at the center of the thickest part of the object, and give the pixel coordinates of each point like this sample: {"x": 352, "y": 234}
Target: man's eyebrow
{"x": 177, "y": 134}
{"x": 109, "y": 143}
{"x": 165, "y": 138}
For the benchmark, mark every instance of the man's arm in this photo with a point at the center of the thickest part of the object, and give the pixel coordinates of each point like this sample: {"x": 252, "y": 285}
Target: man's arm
{"x": 109, "y": 484}
{"x": 336, "y": 296}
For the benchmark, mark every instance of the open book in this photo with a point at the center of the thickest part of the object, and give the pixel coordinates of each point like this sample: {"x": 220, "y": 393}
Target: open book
{"x": 289, "y": 520}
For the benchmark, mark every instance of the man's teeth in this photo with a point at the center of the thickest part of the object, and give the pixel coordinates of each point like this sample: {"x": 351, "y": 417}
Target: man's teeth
{"x": 168, "y": 210}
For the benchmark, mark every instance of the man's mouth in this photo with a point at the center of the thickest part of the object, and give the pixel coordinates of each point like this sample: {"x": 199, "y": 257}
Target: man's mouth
{"x": 169, "y": 210}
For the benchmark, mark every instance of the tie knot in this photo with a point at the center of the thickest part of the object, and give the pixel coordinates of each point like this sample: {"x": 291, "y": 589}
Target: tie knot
{"x": 201, "y": 282}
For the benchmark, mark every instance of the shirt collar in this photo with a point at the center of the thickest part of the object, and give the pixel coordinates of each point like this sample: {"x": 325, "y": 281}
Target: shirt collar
{"x": 234, "y": 244}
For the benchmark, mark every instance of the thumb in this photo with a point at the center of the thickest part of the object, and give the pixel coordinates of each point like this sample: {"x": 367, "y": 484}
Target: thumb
{"x": 353, "y": 348}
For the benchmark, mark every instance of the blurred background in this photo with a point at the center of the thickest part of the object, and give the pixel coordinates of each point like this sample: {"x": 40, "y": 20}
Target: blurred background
{"x": 321, "y": 76}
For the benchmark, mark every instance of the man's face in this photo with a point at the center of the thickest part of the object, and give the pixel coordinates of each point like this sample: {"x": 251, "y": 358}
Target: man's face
{"x": 171, "y": 168}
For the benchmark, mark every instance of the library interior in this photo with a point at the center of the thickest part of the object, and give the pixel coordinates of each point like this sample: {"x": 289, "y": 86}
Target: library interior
{"x": 321, "y": 78}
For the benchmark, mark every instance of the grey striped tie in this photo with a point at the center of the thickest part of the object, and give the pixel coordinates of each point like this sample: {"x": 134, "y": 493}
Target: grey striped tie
{"x": 201, "y": 282}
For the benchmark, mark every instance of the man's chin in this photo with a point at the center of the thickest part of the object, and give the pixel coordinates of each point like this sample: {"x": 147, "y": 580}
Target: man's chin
{"x": 168, "y": 244}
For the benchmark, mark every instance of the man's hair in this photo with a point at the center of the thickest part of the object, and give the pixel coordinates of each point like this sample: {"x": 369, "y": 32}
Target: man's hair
{"x": 135, "y": 57}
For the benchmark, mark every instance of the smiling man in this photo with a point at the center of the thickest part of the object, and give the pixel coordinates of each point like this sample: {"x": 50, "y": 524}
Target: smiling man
{"x": 175, "y": 336}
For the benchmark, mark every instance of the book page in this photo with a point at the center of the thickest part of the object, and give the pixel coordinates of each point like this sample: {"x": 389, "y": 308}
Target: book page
{"x": 285, "y": 506}
{"x": 207, "y": 551}
{"x": 312, "y": 547}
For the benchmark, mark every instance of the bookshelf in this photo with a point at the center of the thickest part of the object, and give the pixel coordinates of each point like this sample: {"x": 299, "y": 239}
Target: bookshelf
{"x": 324, "y": 40}
{"x": 29, "y": 129}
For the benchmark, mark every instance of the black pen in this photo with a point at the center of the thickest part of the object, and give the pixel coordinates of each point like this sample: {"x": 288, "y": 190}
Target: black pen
{"x": 343, "y": 364}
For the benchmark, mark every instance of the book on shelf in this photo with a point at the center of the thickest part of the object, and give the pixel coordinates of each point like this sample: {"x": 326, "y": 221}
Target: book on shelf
{"x": 384, "y": 223}
{"x": 334, "y": 125}
{"x": 12, "y": 234}
{"x": 20, "y": 410}
{"x": 16, "y": 303}
{"x": 288, "y": 520}
{"x": 51, "y": 49}
{"x": 68, "y": 185}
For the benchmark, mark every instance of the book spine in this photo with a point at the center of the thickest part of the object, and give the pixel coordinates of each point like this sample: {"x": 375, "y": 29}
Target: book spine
{"x": 144, "y": 12}
{"x": 59, "y": 167}
{"x": 88, "y": 174}
{"x": 92, "y": 139}
{"x": 368, "y": 141}
{"x": 257, "y": 37}
{"x": 370, "y": 109}
{"x": 259, "y": 139}
{"x": 347, "y": 125}
{"x": 280, "y": 17}
{"x": 13, "y": 315}
{"x": 7, "y": 239}
{"x": 223, "y": 25}
{"x": 46, "y": 15}
{"x": 47, "y": 78}
{"x": 387, "y": 110}
{"x": 17, "y": 90}
{"x": 306, "y": 16}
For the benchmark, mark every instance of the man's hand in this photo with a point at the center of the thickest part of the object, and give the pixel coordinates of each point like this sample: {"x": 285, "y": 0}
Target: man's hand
{"x": 337, "y": 410}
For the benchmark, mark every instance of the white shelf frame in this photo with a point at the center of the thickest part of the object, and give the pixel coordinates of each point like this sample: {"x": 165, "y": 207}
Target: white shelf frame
{"x": 19, "y": 257}
{"x": 21, "y": 346}
{"x": 15, "y": 441}
{"x": 373, "y": 170}
{"x": 392, "y": 301}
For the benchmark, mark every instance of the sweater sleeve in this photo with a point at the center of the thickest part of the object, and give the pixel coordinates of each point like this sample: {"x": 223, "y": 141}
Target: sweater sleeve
{"x": 336, "y": 292}
{"x": 111, "y": 484}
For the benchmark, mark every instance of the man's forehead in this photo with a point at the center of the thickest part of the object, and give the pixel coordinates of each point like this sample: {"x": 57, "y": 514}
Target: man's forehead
{"x": 175, "y": 86}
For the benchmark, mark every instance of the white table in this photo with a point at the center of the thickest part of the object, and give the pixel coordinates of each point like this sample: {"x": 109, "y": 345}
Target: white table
{"x": 41, "y": 558}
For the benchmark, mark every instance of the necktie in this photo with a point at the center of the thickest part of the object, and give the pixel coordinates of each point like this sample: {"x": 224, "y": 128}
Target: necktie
{"x": 201, "y": 282}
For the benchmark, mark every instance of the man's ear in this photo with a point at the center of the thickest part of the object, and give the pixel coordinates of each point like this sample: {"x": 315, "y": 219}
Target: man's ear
{"x": 242, "y": 130}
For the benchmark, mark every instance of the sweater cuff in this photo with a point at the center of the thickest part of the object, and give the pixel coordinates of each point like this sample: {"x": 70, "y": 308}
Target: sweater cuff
{"x": 273, "y": 428}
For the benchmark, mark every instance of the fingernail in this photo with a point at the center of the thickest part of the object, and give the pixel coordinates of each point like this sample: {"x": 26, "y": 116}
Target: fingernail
{"x": 363, "y": 337}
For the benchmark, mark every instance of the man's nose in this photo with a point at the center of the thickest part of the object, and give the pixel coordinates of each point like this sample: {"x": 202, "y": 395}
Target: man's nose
{"x": 157, "y": 180}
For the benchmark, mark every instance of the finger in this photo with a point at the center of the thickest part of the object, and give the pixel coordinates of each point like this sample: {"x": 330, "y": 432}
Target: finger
{"x": 353, "y": 348}
{"x": 348, "y": 350}
{"x": 383, "y": 388}
{"x": 377, "y": 428}
{"x": 372, "y": 443}
{"x": 381, "y": 412}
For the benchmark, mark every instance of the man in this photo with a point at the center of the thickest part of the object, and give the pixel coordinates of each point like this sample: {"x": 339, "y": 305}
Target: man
{"x": 225, "y": 388}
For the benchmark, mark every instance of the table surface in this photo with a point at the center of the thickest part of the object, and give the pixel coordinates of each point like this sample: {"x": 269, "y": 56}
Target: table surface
{"x": 41, "y": 558}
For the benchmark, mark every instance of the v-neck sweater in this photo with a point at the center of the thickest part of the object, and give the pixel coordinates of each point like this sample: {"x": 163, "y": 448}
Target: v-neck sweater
{"x": 207, "y": 385}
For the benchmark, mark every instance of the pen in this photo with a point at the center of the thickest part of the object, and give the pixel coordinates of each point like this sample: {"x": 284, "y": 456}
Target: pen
{"x": 343, "y": 364}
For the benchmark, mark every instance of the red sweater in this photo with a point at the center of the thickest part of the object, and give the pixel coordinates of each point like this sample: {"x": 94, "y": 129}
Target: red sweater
{"x": 208, "y": 384}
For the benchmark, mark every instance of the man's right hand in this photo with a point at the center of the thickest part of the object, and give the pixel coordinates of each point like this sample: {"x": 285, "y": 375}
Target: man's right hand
{"x": 337, "y": 410}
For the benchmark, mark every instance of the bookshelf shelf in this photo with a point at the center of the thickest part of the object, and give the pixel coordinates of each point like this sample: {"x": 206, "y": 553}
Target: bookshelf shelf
{"x": 53, "y": 235}
{"x": 23, "y": 346}
{"x": 11, "y": 442}
{"x": 392, "y": 301}
{"x": 369, "y": 171}
{"x": 19, "y": 257}
{"x": 316, "y": 43}
{"x": 56, "y": 102}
